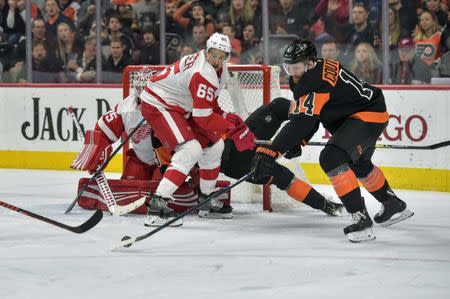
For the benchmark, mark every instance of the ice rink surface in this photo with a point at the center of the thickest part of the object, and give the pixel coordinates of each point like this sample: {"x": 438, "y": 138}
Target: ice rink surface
{"x": 300, "y": 253}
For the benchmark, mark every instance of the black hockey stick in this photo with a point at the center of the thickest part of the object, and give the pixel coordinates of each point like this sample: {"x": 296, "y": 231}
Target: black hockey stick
{"x": 393, "y": 146}
{"x": 84, "y": 227}
{"x": 386, "y": 146}
{"x": 127, "y": 241}
{"x": 103, "y": 166}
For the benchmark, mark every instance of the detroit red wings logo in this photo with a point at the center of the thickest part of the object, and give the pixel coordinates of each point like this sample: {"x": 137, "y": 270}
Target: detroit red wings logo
{"x": 142, "y": 133}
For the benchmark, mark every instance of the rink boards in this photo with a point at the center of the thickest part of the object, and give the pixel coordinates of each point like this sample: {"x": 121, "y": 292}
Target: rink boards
{"x": 37, "y": 132}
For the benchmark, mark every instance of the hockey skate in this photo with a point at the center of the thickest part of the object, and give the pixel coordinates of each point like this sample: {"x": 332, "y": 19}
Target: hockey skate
{"x": 392, "y": 211}
{"x": 214, "y": 209}
{"x": 361, "y": 228}
{"x": 334, "y": 208}
{"x": 159, "y": 213}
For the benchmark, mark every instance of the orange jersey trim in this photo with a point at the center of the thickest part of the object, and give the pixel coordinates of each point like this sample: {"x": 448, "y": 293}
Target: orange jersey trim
{"x": 371, "y": 117}
{"x": 299, "y": 190}
{"x": 344, "y": 183}
{"x": 374, "y": 181}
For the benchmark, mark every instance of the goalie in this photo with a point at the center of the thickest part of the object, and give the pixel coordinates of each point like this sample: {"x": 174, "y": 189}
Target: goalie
{"x": 141, "y": 173}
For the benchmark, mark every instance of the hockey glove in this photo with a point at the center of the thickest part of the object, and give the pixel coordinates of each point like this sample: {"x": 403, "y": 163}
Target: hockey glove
{"x": 95, "y": 152}
{"x": 263, "y": 162}
{"x": 294, "y": 152}
{"x": 243, "y": 138}
{"x": 235, "y": 119}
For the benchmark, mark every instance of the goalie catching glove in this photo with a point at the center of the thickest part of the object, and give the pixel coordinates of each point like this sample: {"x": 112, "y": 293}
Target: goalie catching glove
{"x": 96, "y": 150}
{"x": 263, "y": 162}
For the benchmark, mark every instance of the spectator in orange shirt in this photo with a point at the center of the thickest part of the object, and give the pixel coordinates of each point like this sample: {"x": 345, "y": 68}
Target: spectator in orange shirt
{"x": 428, "y": 38}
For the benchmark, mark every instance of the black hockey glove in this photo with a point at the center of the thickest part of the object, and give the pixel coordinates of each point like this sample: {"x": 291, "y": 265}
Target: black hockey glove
{"x": 294, "y": 152}
{"x": 263, "y": 162}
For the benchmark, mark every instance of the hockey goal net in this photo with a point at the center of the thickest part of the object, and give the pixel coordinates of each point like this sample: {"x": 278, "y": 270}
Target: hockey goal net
{"x": 248, "y": 87}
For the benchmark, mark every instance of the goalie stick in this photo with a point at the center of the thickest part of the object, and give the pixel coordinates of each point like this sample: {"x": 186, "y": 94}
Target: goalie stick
{"x": 102, "y": 183}
{"x": 128, "y": 241}
{"x": 84, "y": 227}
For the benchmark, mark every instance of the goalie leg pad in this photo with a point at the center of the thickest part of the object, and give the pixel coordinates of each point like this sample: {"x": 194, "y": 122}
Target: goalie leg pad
{"x": 128, "y": 191}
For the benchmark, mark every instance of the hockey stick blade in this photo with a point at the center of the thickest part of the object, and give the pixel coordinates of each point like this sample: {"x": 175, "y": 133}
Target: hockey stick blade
{"x": 84, "y": 227}
{"x": 128, "y": 241}
{"x": 121, "y": 210}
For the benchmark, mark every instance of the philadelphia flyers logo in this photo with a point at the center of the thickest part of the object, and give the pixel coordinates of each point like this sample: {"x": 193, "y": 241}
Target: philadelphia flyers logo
{"x": 425, "y": 50}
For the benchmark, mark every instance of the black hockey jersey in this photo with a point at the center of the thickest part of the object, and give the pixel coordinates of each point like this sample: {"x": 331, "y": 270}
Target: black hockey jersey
{"x": 330, "y": 94}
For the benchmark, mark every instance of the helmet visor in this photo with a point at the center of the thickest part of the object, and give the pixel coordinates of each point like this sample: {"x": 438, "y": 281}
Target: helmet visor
{"x": 295, "y": 69}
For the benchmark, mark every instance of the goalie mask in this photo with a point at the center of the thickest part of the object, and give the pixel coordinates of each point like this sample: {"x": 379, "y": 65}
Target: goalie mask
{"x": 297, "y": 55}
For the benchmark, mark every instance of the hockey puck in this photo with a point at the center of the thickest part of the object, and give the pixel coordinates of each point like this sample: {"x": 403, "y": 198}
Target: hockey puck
{"x": 126, "y": 238}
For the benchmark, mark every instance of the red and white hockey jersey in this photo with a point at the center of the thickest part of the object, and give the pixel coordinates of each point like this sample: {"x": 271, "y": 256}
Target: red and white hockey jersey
{"x": 190, "y": 86}
{"x": 124, "y": 117}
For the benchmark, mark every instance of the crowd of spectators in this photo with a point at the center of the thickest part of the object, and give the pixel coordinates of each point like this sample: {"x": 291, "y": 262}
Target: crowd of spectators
{"x": 64, "y": 43}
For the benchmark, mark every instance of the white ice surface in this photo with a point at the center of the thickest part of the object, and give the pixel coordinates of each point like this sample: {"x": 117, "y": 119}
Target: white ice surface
{"x": 297, "y": 254}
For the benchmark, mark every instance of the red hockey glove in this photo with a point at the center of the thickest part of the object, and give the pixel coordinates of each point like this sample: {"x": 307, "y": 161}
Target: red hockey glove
{"x": 95, "y": 151}
{"x": 243, "y": 138}
{"x": 235, "y": 119}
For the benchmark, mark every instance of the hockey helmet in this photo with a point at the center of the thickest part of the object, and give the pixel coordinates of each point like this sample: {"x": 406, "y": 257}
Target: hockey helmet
{"x": 220, "y": 42}
{"x": 298, "y": 51}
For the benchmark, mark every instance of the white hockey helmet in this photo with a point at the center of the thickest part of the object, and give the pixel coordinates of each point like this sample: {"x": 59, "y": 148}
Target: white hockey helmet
{"x": 220, "y": 42}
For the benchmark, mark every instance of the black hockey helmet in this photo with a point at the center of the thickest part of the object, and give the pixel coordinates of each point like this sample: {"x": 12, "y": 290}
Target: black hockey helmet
{"x": 299, "y": 50}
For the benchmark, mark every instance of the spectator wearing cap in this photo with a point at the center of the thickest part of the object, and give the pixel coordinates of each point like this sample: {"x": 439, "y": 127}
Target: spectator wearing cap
{"x": 428, "y": 38}
{"x": 197, "y": 16}
{"x": 407, "y": 68}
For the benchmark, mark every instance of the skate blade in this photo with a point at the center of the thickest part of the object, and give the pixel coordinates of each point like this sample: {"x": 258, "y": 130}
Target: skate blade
{"x": 403, "y": 215}
{"x": 155, "y": 221}
{"x": 361, "y": 236}
{"x": 207, "y": 214}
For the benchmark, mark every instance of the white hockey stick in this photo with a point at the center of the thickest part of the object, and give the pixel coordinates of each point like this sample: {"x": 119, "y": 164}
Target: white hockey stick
{"x": 102, "y": 183}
